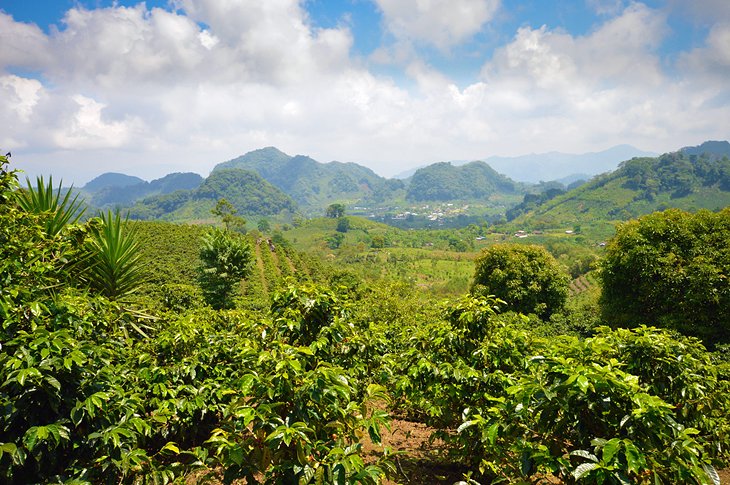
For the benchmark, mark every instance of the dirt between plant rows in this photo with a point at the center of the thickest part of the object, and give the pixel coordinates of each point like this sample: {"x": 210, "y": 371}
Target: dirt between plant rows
{"x": 419, "y": 460}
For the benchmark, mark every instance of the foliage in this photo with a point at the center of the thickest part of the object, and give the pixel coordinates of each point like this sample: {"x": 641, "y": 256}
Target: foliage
{"x": 443, "y": 181}
{"x": 527, "y": 277}
{"x": 56, "y": 212}
{"x": 670, "y": 269}
{"x": 227, "y": 213}
{"x": 626, "y": 406}
{"x": 315, "y": 185}
{"x": 638, "y": 187}
{"x": 343, "y": 224}
{"x": 112, "y": 265}
{"x": 335, "y": 211}
{"x": 225, "y": 259}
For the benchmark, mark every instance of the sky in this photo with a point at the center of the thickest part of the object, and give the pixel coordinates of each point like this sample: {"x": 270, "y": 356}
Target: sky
{"x": 150, "y": 88}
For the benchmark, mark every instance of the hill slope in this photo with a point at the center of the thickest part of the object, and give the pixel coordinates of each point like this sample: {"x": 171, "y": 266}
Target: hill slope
{"x": 312, "y": 184}
{"x": 247, "y": 191}
{"x": 128, "y": 194}
{"x": 639, "y": 186}
{"x": 444, "y": 182}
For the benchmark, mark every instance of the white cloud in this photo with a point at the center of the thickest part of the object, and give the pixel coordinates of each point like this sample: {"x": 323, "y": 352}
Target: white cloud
{"x": 442, "y": 23}
{"x": 87, "y": 129}
{"x": 21, "y": 45}
{"x": 713, "y": 59}
{"x": 151, "y": 91}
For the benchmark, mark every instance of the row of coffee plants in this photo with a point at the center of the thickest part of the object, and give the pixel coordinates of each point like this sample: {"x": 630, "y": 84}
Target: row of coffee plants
{"x": 624, "y": 406}
{"x": 94, "y": 390}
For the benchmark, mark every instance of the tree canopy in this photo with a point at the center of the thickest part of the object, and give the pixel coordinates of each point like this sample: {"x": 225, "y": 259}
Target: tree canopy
{"x": 671, "y": 269}
{"x": 527, "y": 277}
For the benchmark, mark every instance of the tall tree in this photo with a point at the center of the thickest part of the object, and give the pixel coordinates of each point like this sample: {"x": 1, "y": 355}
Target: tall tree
{"x": 335, "y": 211}
{"x": 225, "y": 260}
{"x": 671, "y": 269}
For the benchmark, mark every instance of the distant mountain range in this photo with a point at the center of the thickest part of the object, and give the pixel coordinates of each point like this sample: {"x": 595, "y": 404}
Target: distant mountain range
{"x": 268, "y": 181}
{"x": 247, "y": 191}
{"x": 562, "y": 167}
{"x": 690, "y": 179}
{"x": 313, "y": 184}
{"x": 116, "y": 189}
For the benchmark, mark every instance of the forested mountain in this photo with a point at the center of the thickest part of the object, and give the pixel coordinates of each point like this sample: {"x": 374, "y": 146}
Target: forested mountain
{"x": 712, "y": 149}
{"x": 313, "y": 184}
{"x": 115, "y": 194}
{"x": 247, "y": 191}
{"x": 109, "y": 180}
{"x": 444, "y": 182}
{"x": 639, "y": 186}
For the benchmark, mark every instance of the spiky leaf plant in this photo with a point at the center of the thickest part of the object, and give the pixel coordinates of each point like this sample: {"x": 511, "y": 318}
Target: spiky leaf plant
{"x": 113, "y": 266}
{"x": 56, "y": 212}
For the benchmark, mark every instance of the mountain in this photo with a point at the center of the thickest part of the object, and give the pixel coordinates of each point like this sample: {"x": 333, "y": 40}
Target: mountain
{"x": 556, "y": 165}
{"x": 444, "y": 181}
{"x": 247, "y": 191}
{"x": 712, "y": 149}
{"x": 312, "y": 184}
{"x": 639, "y": 186}
{"x": 111, "y": 179}
{"x": 115, "y": 195}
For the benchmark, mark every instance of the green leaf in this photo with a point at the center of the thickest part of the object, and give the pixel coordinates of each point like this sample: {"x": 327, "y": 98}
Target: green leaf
{"x": 584, "y": 454}
{"x": 171, "y": 446}
{"x": 610, "y": 449}
{"x": 712, "y": 473}
{"x": 583, "y": 469}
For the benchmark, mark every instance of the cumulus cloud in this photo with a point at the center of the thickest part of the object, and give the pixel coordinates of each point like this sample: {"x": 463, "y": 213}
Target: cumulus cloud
{"x": 712, "y": 59}
{"x": 150, "y": 91}
{"x": 442, "y": 23}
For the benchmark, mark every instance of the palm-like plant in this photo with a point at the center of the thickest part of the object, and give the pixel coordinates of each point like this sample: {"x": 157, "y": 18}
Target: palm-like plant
{"x": 113, "y": 265}
{"x": 56, "y": 212}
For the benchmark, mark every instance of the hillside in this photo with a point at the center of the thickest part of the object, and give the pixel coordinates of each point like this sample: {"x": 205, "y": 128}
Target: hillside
{"x": 111, "y": 179}
{"x": 639, "y": 186}
{"x": 312, "y": 184}
{"x": 248, "y": 192}
{"x": 114, "y": 193}
{"x": 444, "y": 181}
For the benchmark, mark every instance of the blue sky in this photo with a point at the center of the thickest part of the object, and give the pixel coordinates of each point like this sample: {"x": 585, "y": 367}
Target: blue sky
{"x": 88, "y": 86}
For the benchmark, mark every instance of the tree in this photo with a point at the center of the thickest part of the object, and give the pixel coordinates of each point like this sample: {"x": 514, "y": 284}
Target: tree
{"x": 227, "y": 213}
{"x": 527, "y": 277}
{"x": 343, "y": 224}
{"x": 670, "y": 269}
{"x": 335, "y": 211}
{"x": 263, "y": 225}
{"x": 226, "y": 259}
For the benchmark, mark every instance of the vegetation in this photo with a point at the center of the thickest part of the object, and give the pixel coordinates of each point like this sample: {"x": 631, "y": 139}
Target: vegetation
{"x": 246, "y": 191}
{"x": 639, "y": 186}
{"x": 273, "y": 365}
{"x": 443, "y": 181}
{"x": 225, "y": 260}
{"x": 56, "y": 212}
{"x": 111, "y": 263}
{"x": 671, "y": 269}
{"x": 527, "y": 277}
